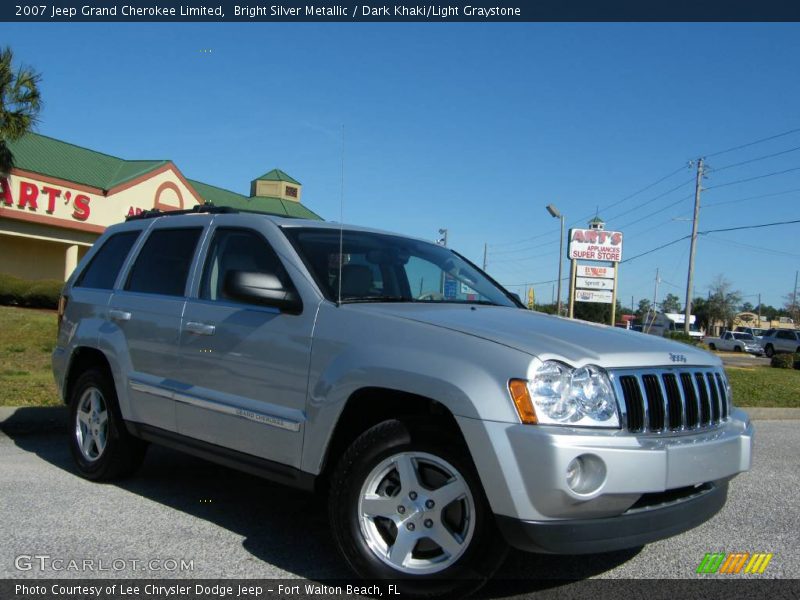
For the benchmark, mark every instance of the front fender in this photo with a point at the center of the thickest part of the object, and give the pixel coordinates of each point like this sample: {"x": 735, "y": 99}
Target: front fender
{"x": 352, "y": 351}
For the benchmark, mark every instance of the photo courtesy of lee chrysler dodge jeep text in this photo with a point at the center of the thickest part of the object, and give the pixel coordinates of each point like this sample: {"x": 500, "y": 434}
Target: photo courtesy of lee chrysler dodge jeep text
{"x": 442, "y": 419}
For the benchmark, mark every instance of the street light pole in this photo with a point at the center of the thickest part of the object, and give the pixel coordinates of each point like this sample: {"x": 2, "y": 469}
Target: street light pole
{"x": 554, "y": 213}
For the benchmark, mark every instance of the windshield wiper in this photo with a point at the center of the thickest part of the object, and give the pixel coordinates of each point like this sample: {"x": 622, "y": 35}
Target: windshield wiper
{"x": 365, "y": 299}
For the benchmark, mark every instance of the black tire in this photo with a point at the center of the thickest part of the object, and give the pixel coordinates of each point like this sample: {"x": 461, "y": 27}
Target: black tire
{"x": 712, "y": 346}
{"x": 484, "y": 549}
{"x": 737, "y": 348}
{"x": 121, "y": 454}
{"x": 769, "y": 351}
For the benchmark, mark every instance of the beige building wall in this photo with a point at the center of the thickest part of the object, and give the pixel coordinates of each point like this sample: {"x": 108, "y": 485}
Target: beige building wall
{"x": 35, "y": 259}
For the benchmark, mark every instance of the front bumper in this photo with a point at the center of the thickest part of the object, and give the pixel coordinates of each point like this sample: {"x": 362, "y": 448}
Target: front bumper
{"x": 523, "y": 468}
{"x": 635, "y": 527}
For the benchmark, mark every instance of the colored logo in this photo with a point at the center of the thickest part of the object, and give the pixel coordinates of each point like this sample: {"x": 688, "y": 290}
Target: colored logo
{"x": 734, "y": 563}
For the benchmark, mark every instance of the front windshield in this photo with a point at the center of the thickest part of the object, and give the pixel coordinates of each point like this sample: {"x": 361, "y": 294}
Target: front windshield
{"x": 386, "y": 268}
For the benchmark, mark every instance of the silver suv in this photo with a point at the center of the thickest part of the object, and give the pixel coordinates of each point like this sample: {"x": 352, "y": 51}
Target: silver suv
{"x": 780, "y": 340}
{"x": 443, "y": 420}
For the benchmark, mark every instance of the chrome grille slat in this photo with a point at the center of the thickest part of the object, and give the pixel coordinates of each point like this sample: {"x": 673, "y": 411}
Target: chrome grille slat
{"x": 671, "y": 399}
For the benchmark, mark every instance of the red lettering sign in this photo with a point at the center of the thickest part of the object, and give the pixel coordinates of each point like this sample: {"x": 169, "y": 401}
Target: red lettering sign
{"x": 81, "y": 206}
{"x": 28, "y": 193}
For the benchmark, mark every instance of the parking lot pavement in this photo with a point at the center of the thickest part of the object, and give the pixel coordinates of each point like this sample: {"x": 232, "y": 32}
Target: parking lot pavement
{"x": 233, "y": 525}
{"x": 741, "y": 359}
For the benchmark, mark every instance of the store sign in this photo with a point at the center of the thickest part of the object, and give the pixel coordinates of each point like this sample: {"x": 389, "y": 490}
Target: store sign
{"x": 591, "y": 271}
{"x": 47, "y": 199}
{"x": 602, "y": 296}
{"x": 595, "y": 244}
{"x": 592, "y": 283}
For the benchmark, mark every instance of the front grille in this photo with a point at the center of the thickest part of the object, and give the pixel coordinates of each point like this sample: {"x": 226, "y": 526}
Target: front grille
{"x": 677, "y": 399}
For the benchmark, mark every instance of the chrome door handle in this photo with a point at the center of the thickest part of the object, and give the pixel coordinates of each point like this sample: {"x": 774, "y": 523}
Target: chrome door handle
{"x": 200, "y": 328}
{"x": 119, "y": 315}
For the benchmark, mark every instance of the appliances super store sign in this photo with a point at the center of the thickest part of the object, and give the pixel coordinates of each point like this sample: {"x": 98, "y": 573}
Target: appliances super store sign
{"x": 595, "y": 244}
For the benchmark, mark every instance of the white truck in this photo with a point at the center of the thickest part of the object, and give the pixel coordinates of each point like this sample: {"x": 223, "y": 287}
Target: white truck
{"x": 662, "y": 324}
{"x": 736, "y": 341}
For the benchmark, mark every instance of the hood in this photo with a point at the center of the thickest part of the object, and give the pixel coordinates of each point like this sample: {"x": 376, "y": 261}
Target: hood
{"x": 550, "y": 337}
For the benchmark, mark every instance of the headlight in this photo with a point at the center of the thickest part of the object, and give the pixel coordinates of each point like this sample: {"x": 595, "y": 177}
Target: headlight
{"x": 561, "y": 395}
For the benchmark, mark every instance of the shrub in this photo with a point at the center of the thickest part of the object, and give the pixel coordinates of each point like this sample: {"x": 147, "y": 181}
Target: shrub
{"x": 682, "y": 336}
{"x": 33, "y": 294}
{"x": 782, "y": 361}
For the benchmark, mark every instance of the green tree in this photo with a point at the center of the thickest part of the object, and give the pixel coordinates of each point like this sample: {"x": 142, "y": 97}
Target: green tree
{"x": 645, "y": 306}
{"x": 700, "y": 311}
{"x": 792, "y": 306}
{"x": 747, "y": 307}
{"x": 20, "y": 103}
{"x": 723, "y": 302}
{"x": 596, "y": 312}
{"x": 671, "y": 304}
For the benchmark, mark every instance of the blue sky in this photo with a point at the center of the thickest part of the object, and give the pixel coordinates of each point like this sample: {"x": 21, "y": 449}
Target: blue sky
{"x": 470, "y": 127}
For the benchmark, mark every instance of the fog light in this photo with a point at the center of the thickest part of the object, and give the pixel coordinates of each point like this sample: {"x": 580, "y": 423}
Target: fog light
{"x": 586, "y": 474}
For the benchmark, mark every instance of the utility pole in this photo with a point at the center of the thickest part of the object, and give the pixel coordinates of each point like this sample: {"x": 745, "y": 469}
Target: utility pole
{"x": 759, "y": 310}
{"x": 794, "y": 296}
{"x": 653, "y": 308}
{"x": 485, "y": 251}
{"x": 698, "y": 187}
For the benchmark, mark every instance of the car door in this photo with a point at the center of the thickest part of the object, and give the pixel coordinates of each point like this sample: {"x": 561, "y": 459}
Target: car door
{"x": 146, "y": 313}
{"x": 786, "y": 340}
{"x": 245, "y": 366}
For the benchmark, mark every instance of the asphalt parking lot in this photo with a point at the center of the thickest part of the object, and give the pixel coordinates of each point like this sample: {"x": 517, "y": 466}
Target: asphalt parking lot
{"x": 232, "y": 525}
{"x": 742, "y": 359}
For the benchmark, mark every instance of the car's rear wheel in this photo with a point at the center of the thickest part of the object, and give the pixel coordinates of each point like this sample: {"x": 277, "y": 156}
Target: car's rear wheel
{"x": 769, "y": 351}
{"x": 737, "y": 349}
{"x": 712, "y": 346}
{"x": 406, "y": 504}
{"x": 101, "y": 446}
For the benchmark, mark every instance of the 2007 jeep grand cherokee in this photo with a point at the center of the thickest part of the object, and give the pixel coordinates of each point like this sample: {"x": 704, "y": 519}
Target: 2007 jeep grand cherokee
{"x": 442, "y": 419}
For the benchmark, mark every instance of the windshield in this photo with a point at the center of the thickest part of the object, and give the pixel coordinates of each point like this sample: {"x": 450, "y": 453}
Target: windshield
{"x": 743, "y": 336}
{"x": 385, "y": 268}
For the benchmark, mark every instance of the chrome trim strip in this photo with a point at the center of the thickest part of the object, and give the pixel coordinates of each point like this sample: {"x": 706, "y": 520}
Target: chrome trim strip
{"x": 664, "y": 400}
{"x": 226, "y": 409}
{"x": 643, "y": 394}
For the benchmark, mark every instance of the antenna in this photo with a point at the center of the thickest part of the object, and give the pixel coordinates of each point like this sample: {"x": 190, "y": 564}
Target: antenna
{"x": 341, "y": 228}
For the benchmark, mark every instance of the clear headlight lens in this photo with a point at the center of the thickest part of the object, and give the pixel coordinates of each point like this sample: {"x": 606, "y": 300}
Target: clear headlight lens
{"x": 561, "y": 395}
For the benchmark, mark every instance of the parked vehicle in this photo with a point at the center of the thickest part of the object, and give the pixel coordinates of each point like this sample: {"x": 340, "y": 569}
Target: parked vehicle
{"x": 662, "y": 324}
{"x": 780, "y": 340}
{"x": 735, "y": 341}
{"x": 756, "y": 332}
{"x": 441, "y": 429}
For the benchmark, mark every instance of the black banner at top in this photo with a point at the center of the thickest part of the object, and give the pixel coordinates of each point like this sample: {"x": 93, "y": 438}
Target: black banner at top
{"x": 397, "y": 11}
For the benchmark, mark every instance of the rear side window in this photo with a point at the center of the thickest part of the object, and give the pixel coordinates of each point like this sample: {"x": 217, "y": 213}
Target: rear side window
{"x": 105, "y": 265}
{"x": 162, "y": 266}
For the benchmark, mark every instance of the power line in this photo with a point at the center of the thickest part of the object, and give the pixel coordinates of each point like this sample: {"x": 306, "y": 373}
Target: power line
{"x": 617, "y": 203}
{"x": 751, "y": 246}
{"x": 712, "y": 204}
{"x": 713, "y": 187}
{"x": 706, "y": 232}
{"x": 752, "y": 160}
{"x": 747, "y": 145}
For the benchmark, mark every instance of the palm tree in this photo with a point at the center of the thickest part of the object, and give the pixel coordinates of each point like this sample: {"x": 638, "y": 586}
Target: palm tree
{"x": 20, "y": 103}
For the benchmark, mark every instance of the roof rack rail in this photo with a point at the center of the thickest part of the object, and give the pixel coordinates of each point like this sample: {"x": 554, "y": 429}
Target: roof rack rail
{"x": 208, "y": 208}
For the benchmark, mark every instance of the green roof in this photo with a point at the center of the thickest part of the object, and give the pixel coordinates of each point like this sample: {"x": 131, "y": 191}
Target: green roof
{"x": 596, "y": 220}
{"x": 49, "y": 156}
{"x": 277, "y": 175}
{"x": 42, "y": 154}
{"x": 265, "y": 204}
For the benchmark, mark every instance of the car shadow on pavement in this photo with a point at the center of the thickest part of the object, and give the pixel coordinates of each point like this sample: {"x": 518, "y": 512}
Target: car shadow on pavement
{"x": 288, "y": 528}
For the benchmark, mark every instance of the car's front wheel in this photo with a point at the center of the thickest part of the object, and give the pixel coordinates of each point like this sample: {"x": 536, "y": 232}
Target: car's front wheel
{"x": 406, "y": 504}
{"x": 101, "y": 446}
{"x": 769, "y": 351}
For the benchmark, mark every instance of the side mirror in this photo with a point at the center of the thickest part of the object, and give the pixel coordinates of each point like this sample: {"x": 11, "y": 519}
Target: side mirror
{"x": 261, "y": 288}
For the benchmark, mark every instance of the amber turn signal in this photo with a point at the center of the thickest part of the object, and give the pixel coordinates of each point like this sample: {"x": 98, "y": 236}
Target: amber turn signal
{"x": 518, "y": 388}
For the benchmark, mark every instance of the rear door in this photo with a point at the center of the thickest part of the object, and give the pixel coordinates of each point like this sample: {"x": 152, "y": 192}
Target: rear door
{"x": 146, "y": 313}
{"x": 245, "y": 365}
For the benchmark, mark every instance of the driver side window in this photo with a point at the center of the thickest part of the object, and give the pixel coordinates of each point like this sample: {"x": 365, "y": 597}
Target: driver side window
{"x": 237, "y": 250}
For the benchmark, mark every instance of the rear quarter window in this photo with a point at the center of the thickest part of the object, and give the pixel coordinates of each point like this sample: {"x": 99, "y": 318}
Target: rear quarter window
{"x": 102, "y": 270}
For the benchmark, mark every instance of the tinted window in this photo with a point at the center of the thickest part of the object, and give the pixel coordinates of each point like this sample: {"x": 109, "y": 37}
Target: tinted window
{"x": 237, "y": 250}
{"x": 105, "y": 265}
{"x": 163, "y": 264}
